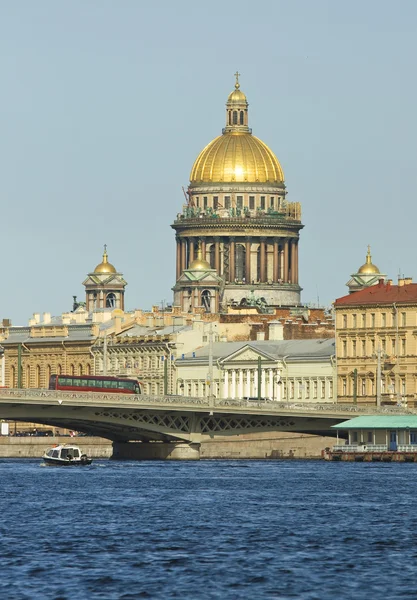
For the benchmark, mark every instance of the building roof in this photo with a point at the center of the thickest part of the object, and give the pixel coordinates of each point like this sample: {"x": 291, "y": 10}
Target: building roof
{"x": 382, "y": 293}
{"x": 380, "y": 422}
{"x": 290, "y": 350}
{"x": 21, "y": 335}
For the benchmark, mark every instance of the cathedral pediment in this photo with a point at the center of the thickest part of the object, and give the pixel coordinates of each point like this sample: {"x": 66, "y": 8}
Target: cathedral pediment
{"x": 247, "y": 354}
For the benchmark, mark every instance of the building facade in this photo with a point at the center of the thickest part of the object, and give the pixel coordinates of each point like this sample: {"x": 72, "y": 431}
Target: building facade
{"x": 237, "y": 211}
{"x": 296, "y": 370}
{"x": 376, "y": 345}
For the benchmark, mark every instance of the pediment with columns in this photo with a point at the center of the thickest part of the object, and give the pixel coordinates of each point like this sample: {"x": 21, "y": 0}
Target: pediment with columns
{"x": 104, "y": 280}
{"x": 246, "y": 355}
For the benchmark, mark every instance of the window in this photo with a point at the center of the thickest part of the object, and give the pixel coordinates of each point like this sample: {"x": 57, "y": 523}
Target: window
{"x": 315, "y": 389}
{"x": 363, "y": 344}
{"x": 330, "y": 388}
{"x": 111, "y": 300}
{"x": 205, "y": 202}
{"x": 197, "y": 201}
{"x": 403, "y": 386}
{"x": 272, "y": 202}
{"x": 383, "y": 320}
{"x": 262, "y": 202}
{"x": 370, "y": 437}
{"x": 393, "y": 346}
{"x": 344, "y": 321}
{"x": 364, "y": 320}
{"x": 299, "y": 390}
{"x": 291, "y": 384}
{"x": 239, "y": 201}
{"x": 307, "y": 388}
{"x": 251, "y": 202}
{"x": 373, "y": 320}
{"x": 383, "y": 346}
{"x": 344, "y": 348}
{"x": 227, "y": 201}
{"x": 206, "y": 300}
{"x": 363, "y": 386}
{"x": 322, "y": 389}
{"x": 240, "y": 262}
{"x": 413, "y": 437}
{"x": 215, "y": 202}
{"x": 344, "y": 386}
{"x": 403, "y": 319}
{"x": 355, "y": 437}
{"x": 372, "y": 346}
{"x": 234, "y": 122}
{"x": 403, "y": 347}
{"x": 354, "y": 321}
{"x": 354, "y": 347}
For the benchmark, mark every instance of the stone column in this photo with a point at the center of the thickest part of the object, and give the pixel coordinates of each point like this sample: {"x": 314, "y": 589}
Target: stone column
{"x": 255, "y": 382}
{"x": 240, "y": 383}
{"x": 233, "y": 394}
{"x": 183, "y": 255}
{"x": 248, "y": 257}
{"x": 293, "y": 268}
{"x": 286, "y": 262}
{"x": 271, "y": 384}
{"x": 296, "y": 261}
{"x": 190, "y": 250}
{"x": 263, "y": 383}
{"x": 263, "y": 262}
{"x": 226, "y": 385}
{"x": 178, "y": 272}
{"x": 217, "y": 256}
{"x": 232, "y": 259}
{"x": 248, "y": 382}
{"x": 276, "y": 262}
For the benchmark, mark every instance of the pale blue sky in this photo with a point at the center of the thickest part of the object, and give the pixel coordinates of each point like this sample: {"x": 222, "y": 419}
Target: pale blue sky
{"x": 106, "y": 104}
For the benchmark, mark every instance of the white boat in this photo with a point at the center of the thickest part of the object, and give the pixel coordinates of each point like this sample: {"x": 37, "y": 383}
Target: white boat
{"x": 66, "y": 455}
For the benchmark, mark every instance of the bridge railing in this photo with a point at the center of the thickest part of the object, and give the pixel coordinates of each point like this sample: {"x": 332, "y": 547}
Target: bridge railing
{"x": 52, "y": 396}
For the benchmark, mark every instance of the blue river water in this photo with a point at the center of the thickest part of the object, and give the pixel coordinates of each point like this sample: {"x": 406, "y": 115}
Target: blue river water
{"x": 309, "y": 530}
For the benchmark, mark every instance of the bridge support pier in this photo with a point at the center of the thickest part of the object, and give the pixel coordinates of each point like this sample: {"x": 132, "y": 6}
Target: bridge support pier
{"x": 155, "y": 451}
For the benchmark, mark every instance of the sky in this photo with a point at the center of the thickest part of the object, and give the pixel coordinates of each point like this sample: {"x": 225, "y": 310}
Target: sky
{"x": 105, "y": 105}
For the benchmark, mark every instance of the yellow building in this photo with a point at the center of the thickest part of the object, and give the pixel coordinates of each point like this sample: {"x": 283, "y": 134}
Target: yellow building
{"x": 238, "y": 214}
{"x": 376, "y": 346}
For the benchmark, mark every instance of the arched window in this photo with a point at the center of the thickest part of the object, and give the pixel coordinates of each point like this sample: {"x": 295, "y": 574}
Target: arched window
{"x": 230, "y": 117}
{"x": 72, "y": 370}
{"x": 111, "y": 300}
{"x": 48, "y": 374}
{"x": 88, "y": 370}
{"x": 241, "y": 117}
{"x": 59, "y": 370}
{"x": 240, "y": 262}
{"x": 235, "y": 117}
{"x": 80, "y": 369}
{"x": 206, "y": 300}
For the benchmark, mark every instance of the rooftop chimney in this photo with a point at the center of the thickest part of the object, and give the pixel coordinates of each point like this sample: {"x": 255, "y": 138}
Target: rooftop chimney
{"x": 408, "y": 280}
{"x": 47, "y": 318}
{"x": 400, "y": 282}
{"x": 276, "y": 330}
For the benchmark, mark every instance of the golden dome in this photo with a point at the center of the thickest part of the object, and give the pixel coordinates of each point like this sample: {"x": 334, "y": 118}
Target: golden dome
{"x": 236, "y": 96}
{"x": 199, "y": 264}
{"x": 237, "y": 156}
{"x": 369, "y": 268}
{"x": 105, "y": 266}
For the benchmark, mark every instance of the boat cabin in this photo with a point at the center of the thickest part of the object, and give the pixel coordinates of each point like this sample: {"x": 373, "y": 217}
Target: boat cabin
{"x": 64, "y": 452}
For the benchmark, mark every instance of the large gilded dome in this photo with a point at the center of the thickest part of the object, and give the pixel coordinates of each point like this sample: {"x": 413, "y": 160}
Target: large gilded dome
{"x": 236, "y": 155}
{"x": 105, "y": 266}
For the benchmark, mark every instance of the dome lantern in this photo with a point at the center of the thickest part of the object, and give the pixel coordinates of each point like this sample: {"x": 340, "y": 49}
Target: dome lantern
{"x": 368, "y": 268}
{"x": 105, "y": 266}
{"x": 237, "y": 110}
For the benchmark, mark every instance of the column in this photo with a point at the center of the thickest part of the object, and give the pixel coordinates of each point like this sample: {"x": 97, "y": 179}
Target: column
{"x": 232, "y": 260}
{"x": 183, "y": 255}
{"x": 248, "y": 382}
{"x": 178, "y": 272}
{"x": 263, "y": 265}
{"x": 276, "y": 262}
{"x": 271, "y": 384}
{"x": 248, "y": 259}
{"x": 203, "y": 248}
{"x": 286, "y": 262}
{"x": 226, "y": 385}
{"x": 217, "y": 256}
{"x": 255, "y": 383}
{"x": 293, "y": 268}
{"x": 263, "y": 383}
{"x": 296, "y": 261}
{"x": 233, "y": 394}
{"x": 240, "y": 383}
{"x": 190, "y": 251}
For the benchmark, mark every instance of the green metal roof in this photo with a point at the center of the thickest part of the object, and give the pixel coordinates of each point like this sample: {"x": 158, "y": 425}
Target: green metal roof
{"x": 380, "y": 422}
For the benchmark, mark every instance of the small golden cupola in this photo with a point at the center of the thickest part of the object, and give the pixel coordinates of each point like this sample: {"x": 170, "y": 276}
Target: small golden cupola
{"x": 105, "y": 266}
{"x": 368, "y": 274}
{"x": 104, "y": 287}
{"x": 368, "y": 268}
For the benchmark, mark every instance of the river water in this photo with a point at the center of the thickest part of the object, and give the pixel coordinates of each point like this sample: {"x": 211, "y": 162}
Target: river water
{"x": 310, "y": 530}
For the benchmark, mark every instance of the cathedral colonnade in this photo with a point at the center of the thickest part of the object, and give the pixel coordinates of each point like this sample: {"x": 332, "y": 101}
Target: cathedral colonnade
{"x": 243, "y": 259}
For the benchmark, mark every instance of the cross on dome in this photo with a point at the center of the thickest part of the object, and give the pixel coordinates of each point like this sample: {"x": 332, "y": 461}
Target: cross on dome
{"x": 237, "y": 84}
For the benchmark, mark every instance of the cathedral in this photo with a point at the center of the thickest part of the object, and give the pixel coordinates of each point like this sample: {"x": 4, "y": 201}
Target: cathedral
{"x": 237, "y": 236}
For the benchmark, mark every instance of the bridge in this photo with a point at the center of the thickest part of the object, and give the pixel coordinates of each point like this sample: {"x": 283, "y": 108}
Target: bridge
{"x": 172, "y": 424}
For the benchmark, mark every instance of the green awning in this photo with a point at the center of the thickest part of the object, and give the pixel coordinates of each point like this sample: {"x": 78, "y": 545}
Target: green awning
{"x": 380, "y": 422}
